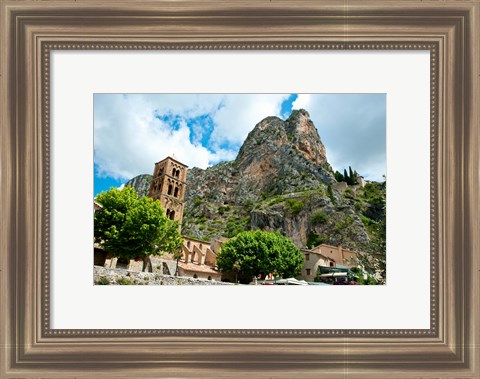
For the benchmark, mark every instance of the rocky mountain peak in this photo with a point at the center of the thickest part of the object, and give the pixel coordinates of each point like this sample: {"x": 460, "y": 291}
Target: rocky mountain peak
{"x": 304, "y": 135}
{"x": 274, "y": 141}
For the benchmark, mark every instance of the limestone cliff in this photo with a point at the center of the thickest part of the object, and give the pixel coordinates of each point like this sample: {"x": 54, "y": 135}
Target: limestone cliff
{"x": 281, "y": 180}
{"x": 141, "y": 183}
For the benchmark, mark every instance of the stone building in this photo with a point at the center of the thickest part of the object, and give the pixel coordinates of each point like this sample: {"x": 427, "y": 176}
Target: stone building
{"x": 198, "y": 251}
{"x": 338, "y": 254}
{"x": 198, "y": 261}
{"x": 325, "y": 256}
{"x": 168, "y": 185}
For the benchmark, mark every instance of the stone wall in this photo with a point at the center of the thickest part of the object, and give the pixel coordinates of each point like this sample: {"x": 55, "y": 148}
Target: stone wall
{"x": 101, "y": 274}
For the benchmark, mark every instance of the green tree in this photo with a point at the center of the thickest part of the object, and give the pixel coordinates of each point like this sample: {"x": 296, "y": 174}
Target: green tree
{"x": 258, "y": 252}
{"x": 339, "y": 177}
{"x": 132, "y": 227}
{"x": 351, "y": 176}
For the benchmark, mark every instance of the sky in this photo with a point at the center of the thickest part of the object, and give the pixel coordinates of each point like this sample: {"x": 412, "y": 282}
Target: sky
{"x": 133, "y": 131}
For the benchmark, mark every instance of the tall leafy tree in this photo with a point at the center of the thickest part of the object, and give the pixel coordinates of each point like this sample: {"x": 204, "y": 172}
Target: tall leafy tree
{"x": 130, "y": 227}
{"x": 258, "y": 252}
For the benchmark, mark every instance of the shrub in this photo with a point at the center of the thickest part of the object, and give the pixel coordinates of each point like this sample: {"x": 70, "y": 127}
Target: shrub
{"x": 314, "y": 239}
{"x": 366, "y": 221}
{"x": 223, "y": 209}
{"x": 295, "y": 206}
{"x": 124, "y": 282}
{"x": 235, "y": 226}
{"x": 318, "y": 217}
{"x": 103, "y": 281}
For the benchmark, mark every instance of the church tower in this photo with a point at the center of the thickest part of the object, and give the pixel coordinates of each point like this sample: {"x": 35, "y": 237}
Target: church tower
{"x": 168, "y": 185}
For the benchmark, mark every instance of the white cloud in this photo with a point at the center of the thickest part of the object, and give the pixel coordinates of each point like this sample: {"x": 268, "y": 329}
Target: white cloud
{"x": 129, "y": 138}
{"x": 241, "y": 113}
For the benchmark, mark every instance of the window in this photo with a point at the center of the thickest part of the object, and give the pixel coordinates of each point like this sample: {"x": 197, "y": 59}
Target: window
{"x": 168, "y": 213}
{"x": 176, "y": 192}
{"x": 308, "y": 271}
{"x": 172, "y": 215}
{"x": 173, "y": 172}
{"x": 307, "y": 257}
{"x": 177, "y": 174}
{"x": 170, "y": 189}
{"x": 331, "y": 264}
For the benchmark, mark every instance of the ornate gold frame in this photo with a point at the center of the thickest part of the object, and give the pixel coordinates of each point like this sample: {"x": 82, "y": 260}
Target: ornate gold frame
{"x": 31, "y": 29}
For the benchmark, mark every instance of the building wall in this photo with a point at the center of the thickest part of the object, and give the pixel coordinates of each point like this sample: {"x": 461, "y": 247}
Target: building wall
{"x": 168, "y": 185}
{"x": 341, "y": 186}
{"x": 148, "y": 278}
{"x": 311, "y": 261}
{"x": 217, "y": 243}
{"x": 338, "y": 254}
{"x": 199, "y": 275}
{"x": 197, "y": 251}
{"x": 327, "y": 256}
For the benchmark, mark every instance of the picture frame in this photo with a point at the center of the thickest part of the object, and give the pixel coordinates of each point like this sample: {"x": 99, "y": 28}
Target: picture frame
{"x": 31, "y": 30}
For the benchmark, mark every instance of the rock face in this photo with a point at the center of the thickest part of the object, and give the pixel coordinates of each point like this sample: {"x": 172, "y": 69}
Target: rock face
{"x": 281, "y": 180}
{"x": 141, "y": 183}
{"x": 283, "y": 156}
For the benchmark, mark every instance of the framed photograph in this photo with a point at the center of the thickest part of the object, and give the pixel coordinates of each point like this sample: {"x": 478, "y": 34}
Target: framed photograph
{"x": 347, "y": 133}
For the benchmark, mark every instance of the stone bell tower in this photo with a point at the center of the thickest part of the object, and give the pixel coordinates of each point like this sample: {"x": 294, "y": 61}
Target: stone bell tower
{"x": 168, "y": 185}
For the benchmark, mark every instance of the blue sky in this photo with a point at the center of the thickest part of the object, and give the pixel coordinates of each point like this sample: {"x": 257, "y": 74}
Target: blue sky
{"x": 133, "y": 131}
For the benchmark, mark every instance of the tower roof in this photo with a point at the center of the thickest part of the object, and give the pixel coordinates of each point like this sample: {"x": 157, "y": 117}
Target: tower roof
{"x": 172, "y": 159}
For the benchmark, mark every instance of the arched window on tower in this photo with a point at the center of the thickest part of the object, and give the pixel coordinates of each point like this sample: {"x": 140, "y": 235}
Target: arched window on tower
{"x": 168, "y": 213}
{"x": 173, "y": 172}
{"x": 176, "y": 192}
{"x": 172, "y": 215}
{"x": 177, "y": 174}
{"x": 170, "y": 189}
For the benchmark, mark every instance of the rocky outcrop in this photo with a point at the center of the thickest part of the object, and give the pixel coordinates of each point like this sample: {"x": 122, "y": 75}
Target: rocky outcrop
{"x": 310, "y": 218}
{"x": 141, "y": 183}
{"x": 281, "y": 180}
{"x": 283, "y": 156}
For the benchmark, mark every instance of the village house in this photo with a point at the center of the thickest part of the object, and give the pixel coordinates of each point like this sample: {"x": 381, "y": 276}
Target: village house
{"x": 325, "y": 256}
{"x": 198, "y": 260}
